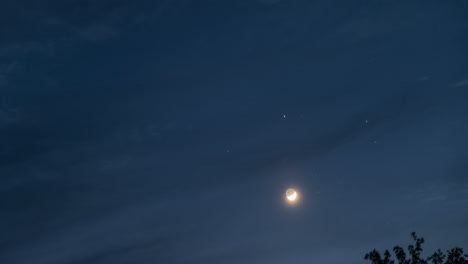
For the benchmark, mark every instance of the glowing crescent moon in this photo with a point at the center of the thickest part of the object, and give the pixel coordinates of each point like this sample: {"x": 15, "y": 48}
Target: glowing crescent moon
{"x": 291, "y": 194}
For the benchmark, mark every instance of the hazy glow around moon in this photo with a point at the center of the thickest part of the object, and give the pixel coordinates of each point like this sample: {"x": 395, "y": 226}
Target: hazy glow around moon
{"x": 291, "y": 194}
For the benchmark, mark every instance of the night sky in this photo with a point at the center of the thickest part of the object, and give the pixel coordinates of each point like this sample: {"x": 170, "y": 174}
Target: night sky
{"x": 168, "y": 131}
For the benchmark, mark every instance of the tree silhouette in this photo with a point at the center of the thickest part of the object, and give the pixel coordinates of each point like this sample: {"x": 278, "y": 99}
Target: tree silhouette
{"x": 454, "y": 255}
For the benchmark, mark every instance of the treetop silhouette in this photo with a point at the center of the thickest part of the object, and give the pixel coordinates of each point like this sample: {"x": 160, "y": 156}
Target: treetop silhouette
{"x": 413, "y": 255}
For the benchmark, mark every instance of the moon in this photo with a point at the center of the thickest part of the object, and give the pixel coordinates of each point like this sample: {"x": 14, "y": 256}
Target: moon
{"x": 291, "y": 194}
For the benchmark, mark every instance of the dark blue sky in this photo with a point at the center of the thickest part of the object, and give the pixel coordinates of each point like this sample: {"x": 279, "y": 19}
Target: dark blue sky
{"x": 153, "y": 131}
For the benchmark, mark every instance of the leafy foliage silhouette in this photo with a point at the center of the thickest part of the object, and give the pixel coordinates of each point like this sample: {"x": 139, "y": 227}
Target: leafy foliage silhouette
{"x": 454, "y": 255}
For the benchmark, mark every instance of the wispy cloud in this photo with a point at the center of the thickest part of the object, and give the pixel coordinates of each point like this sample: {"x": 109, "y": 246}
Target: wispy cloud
{"x": 462, "y": 83}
